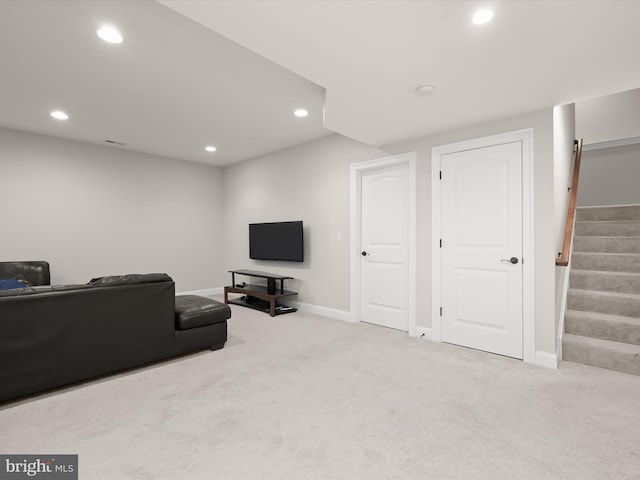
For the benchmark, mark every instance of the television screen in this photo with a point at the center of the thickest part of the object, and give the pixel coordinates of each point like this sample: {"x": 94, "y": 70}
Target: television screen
{"x": 276, "y": 241}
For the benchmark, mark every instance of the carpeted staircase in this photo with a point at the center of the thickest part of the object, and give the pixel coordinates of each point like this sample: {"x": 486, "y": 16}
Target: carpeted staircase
{"x": 602, "y": 322}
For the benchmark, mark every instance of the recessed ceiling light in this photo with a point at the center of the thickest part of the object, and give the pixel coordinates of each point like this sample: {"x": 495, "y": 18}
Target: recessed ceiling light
{"x": 301, "y": 112}
{"x": 425, "y": 89}
{"x": 210, "y": 148}
{"x": 482, "y": 16}
{"x": 110, "y": 34}
{"x": 59, "y": 115}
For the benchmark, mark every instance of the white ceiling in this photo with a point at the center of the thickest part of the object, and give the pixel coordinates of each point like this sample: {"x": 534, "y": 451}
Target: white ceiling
{"x": 371, "y": 55}
{"x": 171, "y": 88}
{"x": 230, "y": 73}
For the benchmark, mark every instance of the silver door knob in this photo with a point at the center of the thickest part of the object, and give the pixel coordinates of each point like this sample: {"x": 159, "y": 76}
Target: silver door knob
{"x": 513, "y": 260}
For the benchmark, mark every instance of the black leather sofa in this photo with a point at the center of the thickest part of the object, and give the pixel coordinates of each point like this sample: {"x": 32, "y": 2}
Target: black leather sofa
{"x": 52, "y": 336}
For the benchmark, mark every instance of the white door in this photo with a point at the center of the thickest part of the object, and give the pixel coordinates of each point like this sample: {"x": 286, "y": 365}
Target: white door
{"x": 481, "y": 253}
{"x": 384, "y": 255}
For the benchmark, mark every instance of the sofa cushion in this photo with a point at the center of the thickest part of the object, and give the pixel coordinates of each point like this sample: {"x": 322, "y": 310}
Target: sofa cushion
{"x": 130, "y": 279}
{"x": 12, "y": 283}
{"x": 194, "y": 311}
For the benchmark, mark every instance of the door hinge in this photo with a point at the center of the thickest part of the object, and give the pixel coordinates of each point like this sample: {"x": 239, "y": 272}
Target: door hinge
{"x": 440, "y": 311}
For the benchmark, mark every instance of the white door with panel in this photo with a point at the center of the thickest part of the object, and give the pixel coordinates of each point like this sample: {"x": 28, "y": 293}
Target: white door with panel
{"x": 384, "y": 230}
{"x": 481, "y": 254}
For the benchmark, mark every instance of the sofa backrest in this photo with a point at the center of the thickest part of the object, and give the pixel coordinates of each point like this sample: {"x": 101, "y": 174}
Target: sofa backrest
{"x": 34, "y": 272}
{"x": 60, "y": 336}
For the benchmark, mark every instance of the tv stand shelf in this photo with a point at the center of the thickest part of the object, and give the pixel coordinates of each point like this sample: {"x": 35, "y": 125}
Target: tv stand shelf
{"x": 260, "y": 297}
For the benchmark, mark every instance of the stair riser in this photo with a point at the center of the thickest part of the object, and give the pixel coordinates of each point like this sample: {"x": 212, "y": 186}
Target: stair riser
{"x": 596, "y": 328}
{"x": 599, "y": 357}
{"x": 607, "y": 244}
{"x": 586, "y": 302}
{"x": 608, "y": 229}
{"x": 606, "y": 263}
{"x": 620, "y": 282}
{"x": 608, "y": 213}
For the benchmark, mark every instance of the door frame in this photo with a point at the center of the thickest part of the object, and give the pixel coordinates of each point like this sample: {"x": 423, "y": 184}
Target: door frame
{"x": 528, "y": 307}
{"x": 356, "y": 172}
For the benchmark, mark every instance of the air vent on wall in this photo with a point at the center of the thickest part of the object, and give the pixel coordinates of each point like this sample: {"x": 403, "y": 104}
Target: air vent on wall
{"x": 114, "y": 142}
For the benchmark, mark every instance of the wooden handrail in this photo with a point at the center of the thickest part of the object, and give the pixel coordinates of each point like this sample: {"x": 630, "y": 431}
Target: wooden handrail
{"x": 563, "y": 259}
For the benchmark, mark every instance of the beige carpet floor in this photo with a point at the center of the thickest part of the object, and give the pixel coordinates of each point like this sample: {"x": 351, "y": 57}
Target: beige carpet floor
{"x": 305, "y": 397}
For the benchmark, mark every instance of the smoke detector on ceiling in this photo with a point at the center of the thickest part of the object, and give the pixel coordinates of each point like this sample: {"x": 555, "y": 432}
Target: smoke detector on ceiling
{"x": 425, "y": 89}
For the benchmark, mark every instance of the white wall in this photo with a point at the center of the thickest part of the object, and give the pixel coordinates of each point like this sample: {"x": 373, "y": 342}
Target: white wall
{"x": 92, "y": 210}
{"x": 311, "y": 182}
{"x": 543, "y": 218}
{"x": 608, "y": 118}
{"x": 564, "y": 134}
{"x": 308, "y": 182}
{"x": 610, "y": 176}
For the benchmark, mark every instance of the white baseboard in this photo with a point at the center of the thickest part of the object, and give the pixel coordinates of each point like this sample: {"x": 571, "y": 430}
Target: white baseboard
{"x": 423, "y": 332}
{"x": 546, "y": 359}
{"x": 543, "y": 359}
{"x": 559, "y": 339}
{"x": 563, "y": 309}
{"x": 207, "y": 292}
{"x": 560, "y": 333}
{"x": 334, "y": 313}
{"x": 305, "y": 307}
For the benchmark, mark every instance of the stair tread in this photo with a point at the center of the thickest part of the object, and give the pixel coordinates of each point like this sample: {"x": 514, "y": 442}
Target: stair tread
{"x": 603, "y": 293}
{"x": 612, "y": 254}
{"x": 605, "y": 272}
{"x": 610, "y": 237}
{"x": 608, "y": 317}
{"x": 607, "y": 243}
{"x": 606, "y": 257}
{"x": 607, "y": 221}
{"x": 610, "y": 221}
{"x": 606, "y": 212}
{"x": 619, "y": 347}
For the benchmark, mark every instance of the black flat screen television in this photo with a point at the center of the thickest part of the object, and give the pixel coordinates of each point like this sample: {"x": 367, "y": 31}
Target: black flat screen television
{"x": 276, "y": 241}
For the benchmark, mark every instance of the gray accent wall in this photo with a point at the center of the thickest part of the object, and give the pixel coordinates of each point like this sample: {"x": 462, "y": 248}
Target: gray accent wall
{"x": 92, "y": 210}
{"x": 610, "y": 176}
{"x": 608, "y": 118}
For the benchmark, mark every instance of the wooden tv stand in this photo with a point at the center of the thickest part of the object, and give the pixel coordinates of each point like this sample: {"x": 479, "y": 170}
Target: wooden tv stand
{"x": 260, "y": 297}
